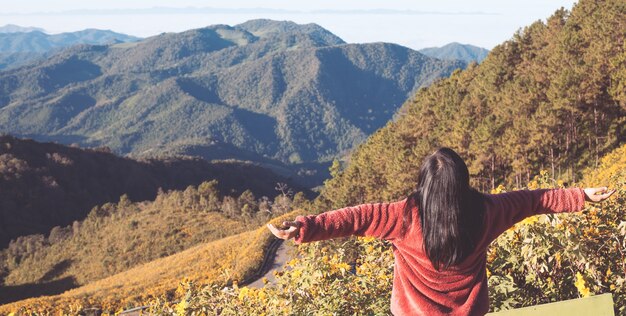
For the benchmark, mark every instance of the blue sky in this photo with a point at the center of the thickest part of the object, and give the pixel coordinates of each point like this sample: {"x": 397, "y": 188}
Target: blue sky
{"x": 415, "y": 23}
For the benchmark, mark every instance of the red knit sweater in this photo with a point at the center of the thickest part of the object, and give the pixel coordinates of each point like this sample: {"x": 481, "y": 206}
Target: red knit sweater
{"x": 419, "y": 289}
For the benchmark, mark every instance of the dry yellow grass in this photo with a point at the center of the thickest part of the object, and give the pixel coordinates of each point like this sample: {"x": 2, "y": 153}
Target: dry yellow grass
{"x": 219, "y": 262}
{"x": 114, "y": 246}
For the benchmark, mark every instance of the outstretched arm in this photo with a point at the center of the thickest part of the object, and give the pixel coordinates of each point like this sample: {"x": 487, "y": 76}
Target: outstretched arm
{"x": 509, "y": 208}
{"x": 381, "y": 220}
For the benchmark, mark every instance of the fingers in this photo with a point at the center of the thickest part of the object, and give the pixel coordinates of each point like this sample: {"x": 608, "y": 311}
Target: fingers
{"x": 277, "y": 232}
{"x": 606, "y": 195}
{"x": 598, "y": 194}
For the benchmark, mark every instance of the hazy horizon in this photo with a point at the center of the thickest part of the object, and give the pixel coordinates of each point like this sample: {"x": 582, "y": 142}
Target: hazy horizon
{"x": 415, "y": 24}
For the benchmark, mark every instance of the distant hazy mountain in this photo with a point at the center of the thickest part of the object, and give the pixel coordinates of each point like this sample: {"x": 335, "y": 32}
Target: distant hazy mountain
{"x": 20, "y": 47}
{"x": 12, "y": 28}
{"x": 457, "y": 51}
{"x": 279, "y": 93}
{"x": 39, "y": 42}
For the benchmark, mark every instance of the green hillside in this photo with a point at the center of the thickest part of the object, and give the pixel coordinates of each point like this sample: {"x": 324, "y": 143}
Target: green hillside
{"x": 219, "y": 262}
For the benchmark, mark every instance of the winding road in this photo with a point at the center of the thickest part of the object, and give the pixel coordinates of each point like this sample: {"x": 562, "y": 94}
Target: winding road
{"x": 275, "y": 259}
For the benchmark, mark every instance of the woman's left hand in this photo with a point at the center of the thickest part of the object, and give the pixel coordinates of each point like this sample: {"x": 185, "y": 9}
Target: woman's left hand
{"x": 292, "y": 230}
{"x": 597, "y": 194}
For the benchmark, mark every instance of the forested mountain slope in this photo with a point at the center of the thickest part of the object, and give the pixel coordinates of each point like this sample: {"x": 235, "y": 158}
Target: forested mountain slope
{"x": 553, "y": 97}
{"x": 219, "y": 262}
{"x": 37, "y": 41}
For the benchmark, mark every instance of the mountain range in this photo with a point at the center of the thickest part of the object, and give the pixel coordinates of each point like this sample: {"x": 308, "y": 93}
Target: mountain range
{"x": 286, "y": 95}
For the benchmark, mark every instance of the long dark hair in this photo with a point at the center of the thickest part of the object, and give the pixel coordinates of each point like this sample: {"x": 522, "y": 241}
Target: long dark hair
{"x": 451, "y": 212}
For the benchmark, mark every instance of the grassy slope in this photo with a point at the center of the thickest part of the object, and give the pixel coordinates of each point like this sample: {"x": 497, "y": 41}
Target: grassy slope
{"x": 102, "y": 249}
{"x": 218, "y": 262}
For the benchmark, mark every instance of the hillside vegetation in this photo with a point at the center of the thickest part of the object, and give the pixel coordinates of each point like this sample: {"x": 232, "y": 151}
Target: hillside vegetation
{"x": 276, "y": 93}
{"x": 554, "y": 258}
{"x": 43, "y": 185}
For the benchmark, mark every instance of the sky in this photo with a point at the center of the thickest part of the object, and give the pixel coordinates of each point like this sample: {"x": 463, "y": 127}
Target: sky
{"x": 412, "y": 23}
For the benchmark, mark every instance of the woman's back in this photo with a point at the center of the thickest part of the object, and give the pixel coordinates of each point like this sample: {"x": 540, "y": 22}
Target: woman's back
{"x": 420, "y": 289}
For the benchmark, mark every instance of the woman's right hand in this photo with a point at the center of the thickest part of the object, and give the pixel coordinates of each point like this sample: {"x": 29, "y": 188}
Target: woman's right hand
{"x": 591, "y": 194}
{"x": 292, "y": 231}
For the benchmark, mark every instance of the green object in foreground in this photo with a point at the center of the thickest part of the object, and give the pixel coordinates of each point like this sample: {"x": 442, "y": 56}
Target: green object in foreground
{"x": 598, "y": 305}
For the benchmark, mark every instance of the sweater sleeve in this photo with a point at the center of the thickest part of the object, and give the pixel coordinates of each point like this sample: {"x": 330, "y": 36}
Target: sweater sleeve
{"x": 380, "y": 220}
{"x": 507, "y": 209}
